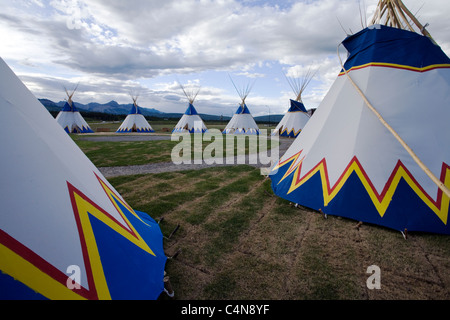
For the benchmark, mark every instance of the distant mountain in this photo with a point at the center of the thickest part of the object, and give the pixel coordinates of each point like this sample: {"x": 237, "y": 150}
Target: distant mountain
{"x": 50, "y": 105}
{"x": 273, "y": 118}
{"x": 115, "y": 108}
{"x": 205, "y": 117}
{"x": 111, "y": 107}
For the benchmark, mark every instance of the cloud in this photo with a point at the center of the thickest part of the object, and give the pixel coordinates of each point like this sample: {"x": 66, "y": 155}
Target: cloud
{"x": 147, "y": 38}
{"x": 172, "y": 97}
{"x": 113, "y": 45}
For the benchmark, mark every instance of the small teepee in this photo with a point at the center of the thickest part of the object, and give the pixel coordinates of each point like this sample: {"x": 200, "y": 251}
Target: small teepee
{"x": 190, "y": 122}
{"x": 371, "y": 152}
{"x": 65, "y": 232}
{"x": 70, "y": 118}
{"x": 297, "y": 116}
{"x": 242, "y": 121}
{"x": 135, "y": 121}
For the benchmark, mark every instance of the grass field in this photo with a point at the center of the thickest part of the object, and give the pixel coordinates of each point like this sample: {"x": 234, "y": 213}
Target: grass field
{"x": 237, "y": 240}
{"x": 123, "y": 153}
{"x": 106, "y": 153}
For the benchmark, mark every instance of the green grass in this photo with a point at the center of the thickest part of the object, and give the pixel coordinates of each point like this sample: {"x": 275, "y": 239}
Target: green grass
{"x": 235, "y": 219}
{"x": 106, "y": 154}
{"x": 324, "y": 281}
{"x": 124, "y": 153}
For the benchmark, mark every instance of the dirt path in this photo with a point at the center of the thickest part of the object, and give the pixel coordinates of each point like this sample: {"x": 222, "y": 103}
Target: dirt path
{"x": 124, "y": 137}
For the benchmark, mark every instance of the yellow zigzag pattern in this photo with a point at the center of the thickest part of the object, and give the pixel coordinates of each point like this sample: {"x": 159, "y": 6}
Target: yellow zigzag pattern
{"x": 289, "y": 132}
{"x": 381, "y": 201}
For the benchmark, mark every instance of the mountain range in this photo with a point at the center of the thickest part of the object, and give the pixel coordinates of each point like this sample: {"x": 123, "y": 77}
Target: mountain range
{"x": 111, "y": 107}
{"x": 115, "y": 108}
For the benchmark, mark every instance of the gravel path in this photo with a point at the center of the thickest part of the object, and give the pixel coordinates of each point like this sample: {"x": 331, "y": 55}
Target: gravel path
{"x": 253, "y": 160}
{"x": 124, "y": 137}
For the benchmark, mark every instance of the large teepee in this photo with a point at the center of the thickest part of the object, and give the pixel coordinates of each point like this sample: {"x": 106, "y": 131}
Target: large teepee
{"x": 70, "y": 118}
{"x": 242, "y": 121}
{"x": 65, "y": 232}
{"x": 191, "y": 121}
{"x": 297, "y": 116}
{"x": 372, "y": 152}
{"x": 135, "y": 121}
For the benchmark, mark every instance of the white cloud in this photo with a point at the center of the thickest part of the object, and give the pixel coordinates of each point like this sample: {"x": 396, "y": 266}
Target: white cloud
{"x": 112, "y": 43}
{"x": 38, "y": 3}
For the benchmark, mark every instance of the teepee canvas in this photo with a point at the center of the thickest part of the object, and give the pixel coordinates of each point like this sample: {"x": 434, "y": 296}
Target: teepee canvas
{"x": 242, "y": 121}
{"x": 70, "y": 118}
{"x": 372, "y": 152}
{"x": 65, "y": 232}
{"x": 135, "y": 121}
{"x": 297, "y": 116}
{"x": 190, "y": 122}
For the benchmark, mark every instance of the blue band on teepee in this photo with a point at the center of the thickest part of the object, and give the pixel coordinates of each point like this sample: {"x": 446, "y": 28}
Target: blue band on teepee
{"x": 394, "y": 47}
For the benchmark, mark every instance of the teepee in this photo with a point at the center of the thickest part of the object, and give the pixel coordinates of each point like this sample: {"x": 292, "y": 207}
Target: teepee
{"x": 70, "y": 118}
{"x": 65, "y": 232}
{"x": 297, "y": 116}
{"x": 242, "y": 121}
{"x": 372, "y": 152}
{"x": 135, "y": 120}
{"x": 190, "y": 122}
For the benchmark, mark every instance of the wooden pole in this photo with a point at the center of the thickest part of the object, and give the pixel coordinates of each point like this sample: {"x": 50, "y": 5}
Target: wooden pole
{"x": 400, "y": 12}
{"x": 395, "y": 13}
{"x": 414, "y": 19}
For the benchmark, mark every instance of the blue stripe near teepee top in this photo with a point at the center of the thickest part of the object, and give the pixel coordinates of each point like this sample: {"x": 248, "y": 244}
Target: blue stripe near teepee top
{"x": 190, "y": 111}
{"x": 135, "y": 110}
{"x": 382, "y": 44}
{"x": 242, "y": 110}
{"x": 297, "y": 106}
{"x": 67, "y": 107}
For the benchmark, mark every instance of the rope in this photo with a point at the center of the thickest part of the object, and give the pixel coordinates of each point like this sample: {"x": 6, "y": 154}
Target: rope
{"x": 428, "y": 172}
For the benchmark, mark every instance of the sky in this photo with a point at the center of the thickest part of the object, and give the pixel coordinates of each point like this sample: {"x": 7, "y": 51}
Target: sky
{"x": 114, "y": 49}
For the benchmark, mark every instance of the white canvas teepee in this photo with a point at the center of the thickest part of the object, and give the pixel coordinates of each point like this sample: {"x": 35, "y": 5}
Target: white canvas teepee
{"x": 70, "y": 118}
{"x": 297, "y": 116}
{"x": 371, "y": 152}
{"x": 135, "y": 121}
{"x": 191, "y": 121}
{"x": 65, "y": 232}
{"x": 242, "y": 121}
